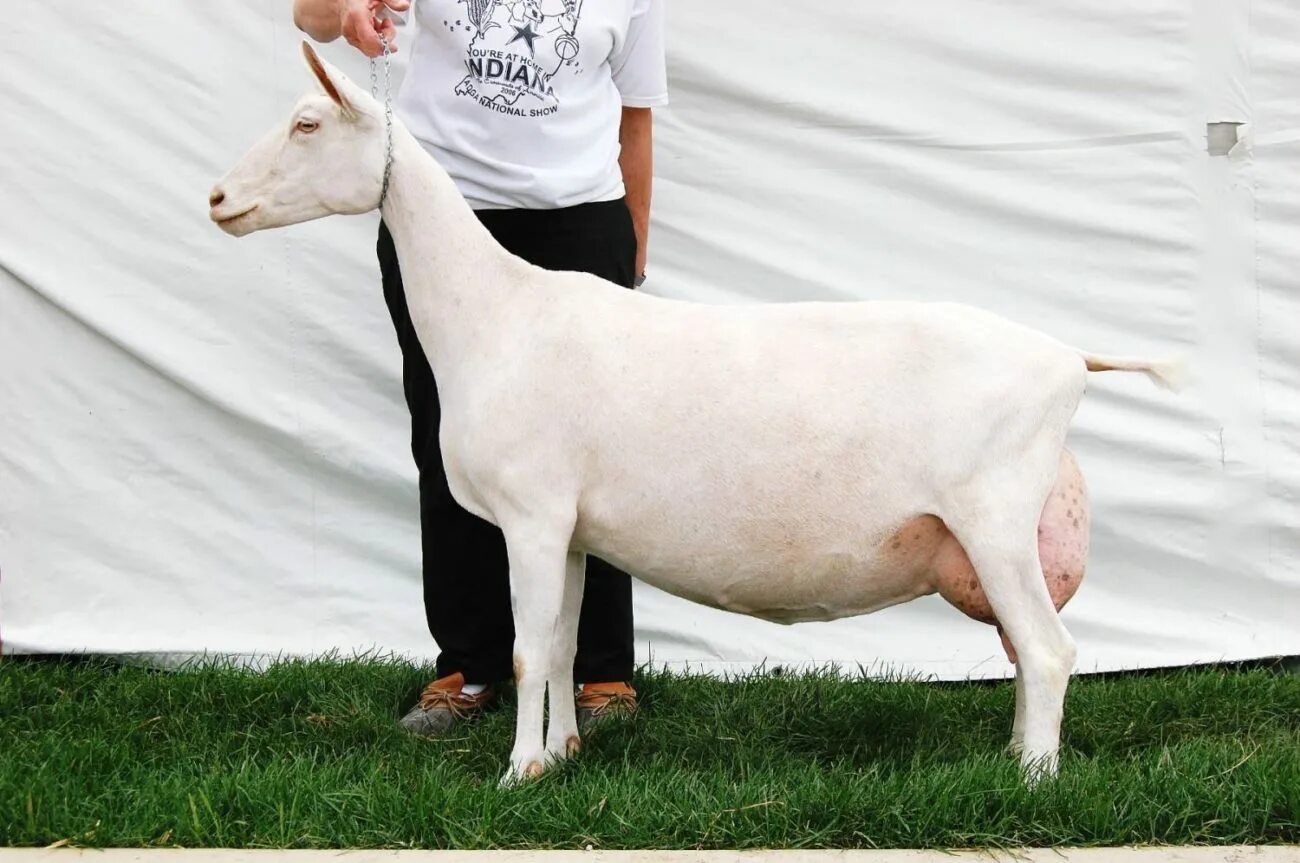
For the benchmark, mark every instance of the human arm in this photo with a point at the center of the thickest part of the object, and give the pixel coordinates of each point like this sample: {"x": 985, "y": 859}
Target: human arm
{"x": 636, "y": 159}
{"x": 641, "y": 76}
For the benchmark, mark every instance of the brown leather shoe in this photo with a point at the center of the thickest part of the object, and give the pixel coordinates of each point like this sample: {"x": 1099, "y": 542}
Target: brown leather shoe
{"x": 443, "y": 705}
{"x": 599, "y": 701}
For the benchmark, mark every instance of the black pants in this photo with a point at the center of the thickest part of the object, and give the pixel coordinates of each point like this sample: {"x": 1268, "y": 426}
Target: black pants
{"x": 466, "y": 579}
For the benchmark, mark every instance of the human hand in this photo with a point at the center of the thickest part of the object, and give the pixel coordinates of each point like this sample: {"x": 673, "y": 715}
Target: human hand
{"x": 362, "y": 24}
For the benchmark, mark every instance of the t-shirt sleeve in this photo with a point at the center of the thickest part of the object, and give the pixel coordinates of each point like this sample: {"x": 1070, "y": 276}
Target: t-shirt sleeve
{"x": 639, "y": 69}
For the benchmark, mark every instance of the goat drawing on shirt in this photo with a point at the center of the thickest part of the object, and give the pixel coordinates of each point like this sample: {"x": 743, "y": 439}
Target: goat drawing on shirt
{"x": 555, "y": 19}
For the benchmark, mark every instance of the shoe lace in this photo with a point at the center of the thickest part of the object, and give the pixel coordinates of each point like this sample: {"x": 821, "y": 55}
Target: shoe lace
{"x": 454, "y": 701}
{"x": 602, "y": 702}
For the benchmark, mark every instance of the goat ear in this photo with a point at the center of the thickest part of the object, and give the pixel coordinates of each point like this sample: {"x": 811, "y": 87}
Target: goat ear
{"x": 318, "y": 69}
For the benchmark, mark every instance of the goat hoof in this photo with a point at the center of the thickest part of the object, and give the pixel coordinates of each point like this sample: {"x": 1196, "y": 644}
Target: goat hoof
{"x": 572, "y": 746}
{"x": 1038, "y": 770}
{"x": 518, "y": 774}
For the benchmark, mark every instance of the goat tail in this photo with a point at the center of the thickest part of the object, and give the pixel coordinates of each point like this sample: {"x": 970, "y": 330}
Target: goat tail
{"x": 1169, "y": 374}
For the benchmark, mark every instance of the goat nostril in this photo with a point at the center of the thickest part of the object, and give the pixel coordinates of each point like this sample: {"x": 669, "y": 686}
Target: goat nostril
{"x": 216, "y": 197}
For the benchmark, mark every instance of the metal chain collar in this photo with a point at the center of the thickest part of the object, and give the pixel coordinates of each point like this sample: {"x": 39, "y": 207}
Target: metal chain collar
{"x": 388, "y": 113}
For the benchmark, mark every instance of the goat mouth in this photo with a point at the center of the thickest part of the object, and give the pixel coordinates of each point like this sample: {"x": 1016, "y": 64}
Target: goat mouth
{"x": 226, "y": 221}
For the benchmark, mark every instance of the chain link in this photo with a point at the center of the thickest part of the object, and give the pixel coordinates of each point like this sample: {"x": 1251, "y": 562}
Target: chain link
{"x": 388, "y": 112}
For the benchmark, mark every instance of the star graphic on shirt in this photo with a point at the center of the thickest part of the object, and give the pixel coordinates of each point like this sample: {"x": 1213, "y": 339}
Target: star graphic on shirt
{"x": 528, "y": 34}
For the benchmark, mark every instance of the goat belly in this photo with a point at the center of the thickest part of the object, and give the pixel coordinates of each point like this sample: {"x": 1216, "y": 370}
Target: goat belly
{"x": 786, "y": 578}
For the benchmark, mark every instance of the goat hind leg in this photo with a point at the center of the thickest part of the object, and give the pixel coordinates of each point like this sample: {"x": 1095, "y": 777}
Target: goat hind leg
{"x": 1017, "y": 744}
{"x": 1063, "y": 554}
{"x": 1001, "y": 543}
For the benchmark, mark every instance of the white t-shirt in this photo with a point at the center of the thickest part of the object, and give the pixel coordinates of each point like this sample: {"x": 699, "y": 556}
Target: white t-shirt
{"x": 520, "y": 100}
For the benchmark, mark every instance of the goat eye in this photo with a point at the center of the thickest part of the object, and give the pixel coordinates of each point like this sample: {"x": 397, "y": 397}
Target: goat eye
{"x": 305, "y": 125}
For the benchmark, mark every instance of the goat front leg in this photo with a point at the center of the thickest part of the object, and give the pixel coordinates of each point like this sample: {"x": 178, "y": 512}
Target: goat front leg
{"x": 562, "y": 738}
{"x": 538, "y": 564}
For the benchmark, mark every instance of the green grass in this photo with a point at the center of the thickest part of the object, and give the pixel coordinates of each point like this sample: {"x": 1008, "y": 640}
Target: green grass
{"x": 307, "y": 755}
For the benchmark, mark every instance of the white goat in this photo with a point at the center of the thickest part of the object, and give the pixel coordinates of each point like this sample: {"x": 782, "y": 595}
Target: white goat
{"x": 793, "y": 461}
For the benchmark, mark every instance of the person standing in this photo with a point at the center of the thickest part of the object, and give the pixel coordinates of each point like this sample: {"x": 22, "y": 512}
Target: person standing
{"x": 541, "y": 112}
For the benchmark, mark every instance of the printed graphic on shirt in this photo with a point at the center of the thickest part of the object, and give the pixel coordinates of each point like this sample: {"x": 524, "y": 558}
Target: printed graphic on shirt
{"x": 516, "y": 50}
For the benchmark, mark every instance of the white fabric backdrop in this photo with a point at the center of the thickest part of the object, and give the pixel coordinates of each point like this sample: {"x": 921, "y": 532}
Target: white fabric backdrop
{"x": 203, "y": 445}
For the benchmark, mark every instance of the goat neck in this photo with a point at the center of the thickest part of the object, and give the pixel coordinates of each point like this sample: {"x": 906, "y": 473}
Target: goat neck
{"x": 458, "y": 280}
